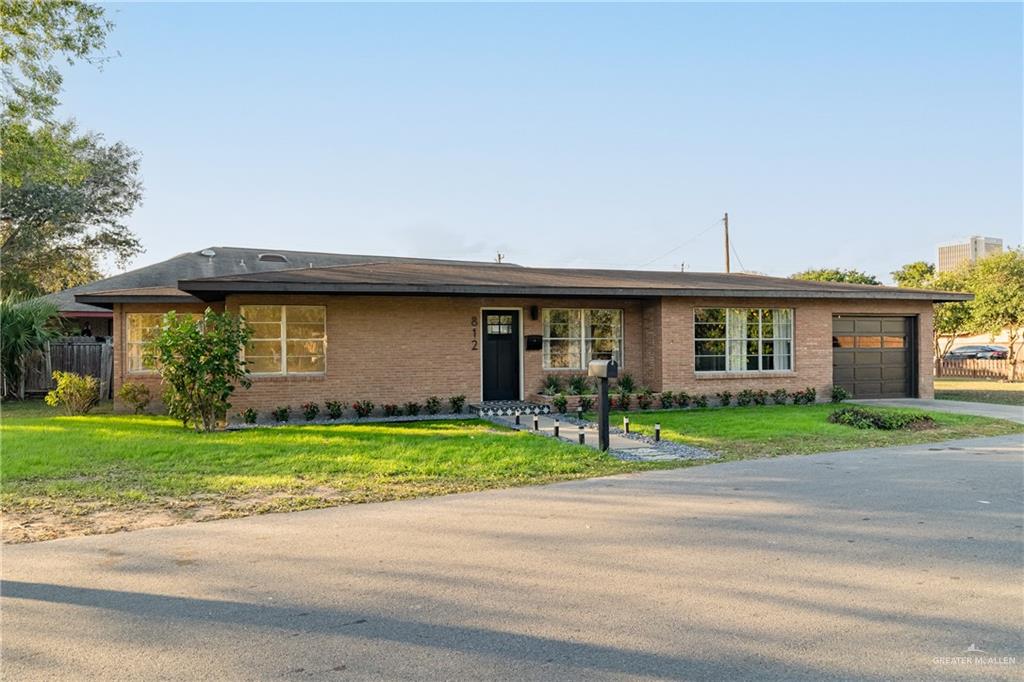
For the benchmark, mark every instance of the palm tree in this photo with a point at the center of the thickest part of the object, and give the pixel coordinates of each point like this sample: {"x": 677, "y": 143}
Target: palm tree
{"x": 25, "y": 329}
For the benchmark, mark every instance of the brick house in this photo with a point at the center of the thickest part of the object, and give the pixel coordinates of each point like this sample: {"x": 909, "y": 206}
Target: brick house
{"x": 394, "y": 330}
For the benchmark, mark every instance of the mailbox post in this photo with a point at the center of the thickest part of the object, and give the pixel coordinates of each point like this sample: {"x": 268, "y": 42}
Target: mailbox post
{"x": 603, "y": 370}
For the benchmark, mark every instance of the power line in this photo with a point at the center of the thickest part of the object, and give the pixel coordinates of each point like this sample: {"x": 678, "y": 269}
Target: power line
{"x": 739, "y": 260}
{"x": 691, "y": 239}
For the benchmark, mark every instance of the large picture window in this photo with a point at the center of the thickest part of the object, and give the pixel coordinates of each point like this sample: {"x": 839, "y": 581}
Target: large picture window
{"x": 140, "y": 329}
{"x": 573, "y": 337}
{"x": 286, "y": 339}
{"x": 743, "y": 339}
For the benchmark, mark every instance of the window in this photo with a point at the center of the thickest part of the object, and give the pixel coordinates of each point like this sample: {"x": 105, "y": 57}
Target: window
{"x": 574, "y": 337}
{"x": 499, "y": 324}
{"x": 743, "y": 339}
{"x": 141, "y": 329}
{"x": 286, "y": 339}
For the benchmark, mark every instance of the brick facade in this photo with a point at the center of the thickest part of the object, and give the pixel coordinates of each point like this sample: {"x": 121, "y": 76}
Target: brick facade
{"x": 393, "y": 349}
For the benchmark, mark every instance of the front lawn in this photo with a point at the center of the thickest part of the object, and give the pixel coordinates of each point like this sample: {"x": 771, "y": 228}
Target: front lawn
{"x": 98, "y": 473}
{"x": 770, "y": 430}
{"x": 980, "y": 390}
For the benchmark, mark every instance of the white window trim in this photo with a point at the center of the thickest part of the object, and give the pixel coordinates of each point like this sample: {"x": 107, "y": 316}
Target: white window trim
{"x": 128, "y": 345}
{"x": 284, "y": 340}
{"x": 582, "y": 339}
{"x": 760, "y": 356}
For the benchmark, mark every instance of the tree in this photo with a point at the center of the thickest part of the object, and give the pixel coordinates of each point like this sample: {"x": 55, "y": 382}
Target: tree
{"x": 916, "y": 275}
{"x": 836, "y": 275}
{"x": 25, "y": 329}
{"x": 199, "y": 363}
{"x": 63, "y": 195}
{"x": 953, "y": 319}
{"x": 998, "y": 285}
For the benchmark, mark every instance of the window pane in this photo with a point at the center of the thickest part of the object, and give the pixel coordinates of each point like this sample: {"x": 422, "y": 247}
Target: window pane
{"x": 261, "y": 313}
{"x": 265, "y": 330}
{"x": 842, "y": 342}
{"x": 753, "y": 318}
{"x": 709, "y": 315}
{"x": 752, "y": 348}
{"x": 709, "y": 331}
{"x": 752, "y": 365}
{"x": 263, "y": 348}
{"x": 297, "y": 348}
{"x": 709, "y": 348}
{"x": 306, "y": 313}
{"x": 893, "y": 341}
{"x": 869, "y": 342}
{"x": 263, "y": 364}
{"x": 736, "y": 355}
{"x": 562, "y": 354}
{"x": 305, "y": 363}
{"x": 603, "y": 349}
{"x": 603, "y": 323}
{"x": 782, "y": 355}
{"x": 561, "y": 323}
{"x": 710, "y": 363}
{"x": 304, "y": 330}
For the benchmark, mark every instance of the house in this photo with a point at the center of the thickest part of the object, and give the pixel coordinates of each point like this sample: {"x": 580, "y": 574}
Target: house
{"x": 394, "y": 330}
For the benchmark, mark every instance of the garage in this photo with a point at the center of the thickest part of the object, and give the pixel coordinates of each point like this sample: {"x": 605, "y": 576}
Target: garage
{"x": 874, "y": 357}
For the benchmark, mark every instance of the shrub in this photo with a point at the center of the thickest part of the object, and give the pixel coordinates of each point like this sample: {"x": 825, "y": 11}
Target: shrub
{"x": 761, "y": 397}
{"x": 644, "y": 399}
{"x": 839, "y": 394}
{"x": 25, "y": 328}
{"x": 334, "y": 409}
{"x": 745, "y": 397}
{"x": 250, "y": 415}
{"x": 200, "y": 364}
{"x": 432, "y": 404}
{"x": 780, "y": 396}
{"x": 587, "y": 403}
{"x": 683, "y": 399}
{"x": 457, "y": 402}
{"x": 863, "y": 418}
{"x": 579, "y": 384}
{"x": 561, "y": 403}
{"x": 700, "y": 400}
{"x": 622, "y": 402}
{"x": 282, "y": 414}
{"x": 363, "y": 408}
{"x": 310, "y": 411}
{"x": 626, "y": 384}
{"x": 808, "y": 396}
{"x": 135, "y": 396}
{"x": 724, "y": 398}
{"x": 668, "y": 399}
{"x": 552, "y": 385}
{"x": 391, "y": 410}
{"x": 75, "y": 393}
{"x": 412, "y": 408}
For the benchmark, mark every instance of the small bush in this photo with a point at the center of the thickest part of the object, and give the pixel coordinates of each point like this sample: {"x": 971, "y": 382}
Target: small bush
{"x": 700, "y": 400}
{"x": 579, "y": 384}
{"x": 135, "y": 396}
{"x": 250, "y": 415}
{"x": 310, "y": 411}
{"x": 839, "y": 394}
{"x": 668, "y": 399}
{"x": 432, "y": 404}
{"x": 626, "y": 384}
{"x": 560, "y": 403}
{"x": 808, "y": 396}
{"x": 457, "y": 402}
{"x": 780, "y": 396}
{"x": 412, "y": 408}
{"x": 75, "y": 393}
{"x": 363, "y": 408}
{"x": 623, "y": 401}
{"x": 335, "y": 409}
{"x": 552, "y": 385}
{"x": 282, "y": 414}
{"x": 683, "y": 399}
{"x": 391, "y": 410}
{"x": 644, "y": 399}
{"x": 587, "y": 403}
{"x": 761, "y": 397}
{"x": 863, "y": 418}
{"x": 724, "y": 398}
{"x": 745, "y": 397}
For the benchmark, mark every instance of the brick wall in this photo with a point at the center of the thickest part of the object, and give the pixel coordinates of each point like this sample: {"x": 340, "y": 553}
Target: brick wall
{"x": 392, "y": 349}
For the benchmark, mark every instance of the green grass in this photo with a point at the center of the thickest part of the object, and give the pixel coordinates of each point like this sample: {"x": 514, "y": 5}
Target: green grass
{"x": 980, "y": 390}
{"x": 71, "y": 470}
{"x": 771, "y": 430}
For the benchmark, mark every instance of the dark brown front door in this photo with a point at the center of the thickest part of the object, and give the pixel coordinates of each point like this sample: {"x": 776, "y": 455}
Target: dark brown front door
{"x": 501, "y": 354}
{"x": 874, "y": 357}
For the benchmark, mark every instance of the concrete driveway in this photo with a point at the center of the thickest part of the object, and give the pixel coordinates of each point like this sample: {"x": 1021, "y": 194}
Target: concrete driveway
{"x": 878, "y": 564}
{"x": 1014, "y": 413}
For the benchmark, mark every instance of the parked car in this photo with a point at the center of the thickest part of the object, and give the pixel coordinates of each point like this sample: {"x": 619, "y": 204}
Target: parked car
{"x": 979, "y": 352}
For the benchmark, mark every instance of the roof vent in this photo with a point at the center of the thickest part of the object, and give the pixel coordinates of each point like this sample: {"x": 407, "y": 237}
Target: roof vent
{"x": 272, "y": 258}
{"x": 209, "y": 253}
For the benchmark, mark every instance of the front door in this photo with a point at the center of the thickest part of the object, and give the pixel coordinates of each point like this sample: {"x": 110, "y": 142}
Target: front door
{"x": 501, "y": 354}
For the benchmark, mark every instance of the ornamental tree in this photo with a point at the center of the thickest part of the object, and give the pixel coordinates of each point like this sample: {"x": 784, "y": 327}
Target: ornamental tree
{"x": 998, "y": 285}
{"x": 916, "y": 275}
{"x": 836, "y": 275}
{"x": 954, "y": 319}
{"x": 200, "y": 364}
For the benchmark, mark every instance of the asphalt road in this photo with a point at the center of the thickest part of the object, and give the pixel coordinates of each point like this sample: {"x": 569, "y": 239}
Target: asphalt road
{"x": 880, "y": 564}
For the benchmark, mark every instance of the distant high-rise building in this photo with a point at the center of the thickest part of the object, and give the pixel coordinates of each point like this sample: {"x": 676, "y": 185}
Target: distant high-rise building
{"x": 973, "y": 249}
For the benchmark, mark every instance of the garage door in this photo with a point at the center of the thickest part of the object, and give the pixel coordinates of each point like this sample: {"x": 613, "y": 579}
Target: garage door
{"x": 873, "y": 357}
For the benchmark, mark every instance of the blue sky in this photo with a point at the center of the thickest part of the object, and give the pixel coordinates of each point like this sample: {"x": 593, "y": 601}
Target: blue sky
{"x": 568, "y": 135}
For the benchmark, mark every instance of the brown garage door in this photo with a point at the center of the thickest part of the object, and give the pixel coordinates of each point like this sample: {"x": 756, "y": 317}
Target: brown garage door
{"x": 873, "y": 357}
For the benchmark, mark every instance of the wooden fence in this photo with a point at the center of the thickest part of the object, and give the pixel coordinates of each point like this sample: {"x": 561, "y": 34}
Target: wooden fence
{"x": 975, "y": 367}
{"x": 81, "y": 355}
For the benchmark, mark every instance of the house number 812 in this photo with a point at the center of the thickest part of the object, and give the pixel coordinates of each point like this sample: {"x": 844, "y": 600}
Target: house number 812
{"x": 473, "y": 325}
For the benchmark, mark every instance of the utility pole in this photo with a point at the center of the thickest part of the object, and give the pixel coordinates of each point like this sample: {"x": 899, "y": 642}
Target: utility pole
{"x": 725, "y": 222}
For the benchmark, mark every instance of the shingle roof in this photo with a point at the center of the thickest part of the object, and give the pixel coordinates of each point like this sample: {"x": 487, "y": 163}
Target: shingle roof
{"x": 448, "y": 278}
{"x": 228, "y": 260}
